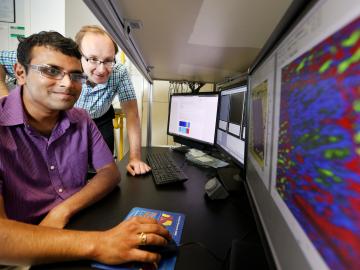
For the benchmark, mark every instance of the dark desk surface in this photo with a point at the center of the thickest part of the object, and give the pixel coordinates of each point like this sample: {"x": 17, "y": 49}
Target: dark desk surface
{"x": 213, "y": 223}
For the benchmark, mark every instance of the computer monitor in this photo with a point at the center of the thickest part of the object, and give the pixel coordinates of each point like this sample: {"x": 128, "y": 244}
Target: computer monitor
{"x": 231, "y": 128}
{"x": 302, "y": 167}
{"x": 192, "y": 119}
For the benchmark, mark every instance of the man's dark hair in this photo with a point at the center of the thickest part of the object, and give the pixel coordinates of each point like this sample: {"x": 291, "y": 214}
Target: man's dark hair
{"x": 51, "y": 39}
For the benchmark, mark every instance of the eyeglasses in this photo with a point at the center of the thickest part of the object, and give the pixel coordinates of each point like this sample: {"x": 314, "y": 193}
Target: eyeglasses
{"x": 96, "y": 62}
{"x": 57, "y": 74}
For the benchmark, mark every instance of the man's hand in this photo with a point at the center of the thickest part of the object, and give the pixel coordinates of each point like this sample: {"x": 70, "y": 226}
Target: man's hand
{"x": 137, "y": 166}
{"x": 58, "y": 217}
{"x": 27, "y": 244}
{"x": 121, "y": 243}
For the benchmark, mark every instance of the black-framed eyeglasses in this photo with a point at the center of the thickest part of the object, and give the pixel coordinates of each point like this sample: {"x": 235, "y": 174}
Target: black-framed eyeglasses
{"x": 96, "y": 62}
{"x": 58, "y": 74}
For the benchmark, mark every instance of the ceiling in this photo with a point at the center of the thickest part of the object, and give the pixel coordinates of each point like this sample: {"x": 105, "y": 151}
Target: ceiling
{"x": 200, "y": 40}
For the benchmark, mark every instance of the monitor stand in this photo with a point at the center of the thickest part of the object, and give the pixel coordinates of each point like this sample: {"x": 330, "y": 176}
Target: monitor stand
{"x": 181, "y": 149}
{"x": 231, "y": 177}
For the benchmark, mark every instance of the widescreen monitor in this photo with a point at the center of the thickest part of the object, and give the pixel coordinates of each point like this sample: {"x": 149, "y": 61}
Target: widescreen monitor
{"x": 231, "y": 123}
{"x": 192, "y": 119}
{"x": 304, "y": 139}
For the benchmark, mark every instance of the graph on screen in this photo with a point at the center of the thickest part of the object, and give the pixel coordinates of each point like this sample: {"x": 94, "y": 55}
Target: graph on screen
{"x": 318, "y": 157}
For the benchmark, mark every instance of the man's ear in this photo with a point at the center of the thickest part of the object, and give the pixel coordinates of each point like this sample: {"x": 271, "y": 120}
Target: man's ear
{"x": 20, "y": 73}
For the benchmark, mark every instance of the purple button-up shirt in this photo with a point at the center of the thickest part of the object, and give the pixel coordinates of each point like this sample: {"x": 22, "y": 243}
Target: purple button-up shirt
{"x": 36, "y": 172}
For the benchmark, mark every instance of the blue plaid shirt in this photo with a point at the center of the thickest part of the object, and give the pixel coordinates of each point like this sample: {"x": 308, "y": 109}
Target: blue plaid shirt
{"x": 7, "y": 60}
{"x": 95, "y": 100}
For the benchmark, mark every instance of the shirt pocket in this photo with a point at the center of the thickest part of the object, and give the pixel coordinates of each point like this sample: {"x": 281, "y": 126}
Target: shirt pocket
{"x": 78, "y": 167}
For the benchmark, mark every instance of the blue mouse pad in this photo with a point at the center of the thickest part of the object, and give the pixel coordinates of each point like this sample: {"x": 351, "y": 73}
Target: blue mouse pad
{"x": 174, "y": 223}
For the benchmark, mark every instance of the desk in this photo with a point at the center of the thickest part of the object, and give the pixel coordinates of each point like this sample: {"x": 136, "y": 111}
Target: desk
{"x": 213, "y": 223}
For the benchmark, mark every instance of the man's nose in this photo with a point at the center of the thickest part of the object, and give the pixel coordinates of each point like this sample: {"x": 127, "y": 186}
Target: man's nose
{"x": 101, "y": 67}
{"x": 66, "y": 81}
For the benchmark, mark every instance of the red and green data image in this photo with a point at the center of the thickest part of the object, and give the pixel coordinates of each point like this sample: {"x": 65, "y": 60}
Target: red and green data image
{"x": 318, "y": 166}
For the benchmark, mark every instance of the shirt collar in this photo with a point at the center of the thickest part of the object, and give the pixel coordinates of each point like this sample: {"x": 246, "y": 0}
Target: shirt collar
{"x": 72, "y": 115}
{"x": 12, "y": 110}
{"x": 96, "y": 85}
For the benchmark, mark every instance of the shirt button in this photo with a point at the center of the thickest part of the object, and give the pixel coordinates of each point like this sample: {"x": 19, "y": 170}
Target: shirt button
{"x": 52, "y": 167}
{"x": 60, "y": 190}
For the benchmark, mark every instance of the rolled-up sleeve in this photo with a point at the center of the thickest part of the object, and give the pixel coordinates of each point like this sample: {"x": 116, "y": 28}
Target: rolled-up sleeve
{"x": 124, "y": 88}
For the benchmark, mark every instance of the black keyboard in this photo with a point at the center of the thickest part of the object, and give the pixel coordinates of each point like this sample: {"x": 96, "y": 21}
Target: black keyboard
{"x": 164, "y": 169}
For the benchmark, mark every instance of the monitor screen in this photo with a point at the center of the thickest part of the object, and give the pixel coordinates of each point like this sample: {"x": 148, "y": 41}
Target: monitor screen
{"x": 193, "y": 117}
{"x": 303, "y": 150}
{"x": 230, "y": 127}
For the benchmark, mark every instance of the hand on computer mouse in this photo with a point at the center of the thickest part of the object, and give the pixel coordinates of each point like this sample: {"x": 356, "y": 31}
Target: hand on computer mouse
{"x": 168, "y": 250}
{"x": 122, "y": 243}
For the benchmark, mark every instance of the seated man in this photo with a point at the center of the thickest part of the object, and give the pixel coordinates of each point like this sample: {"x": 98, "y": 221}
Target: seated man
{"x": 45, "y": 147}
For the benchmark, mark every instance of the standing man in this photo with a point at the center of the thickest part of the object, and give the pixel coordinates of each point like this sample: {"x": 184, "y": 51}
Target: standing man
{"x": 106, "y": 79}
{"x": 46, "y": 146}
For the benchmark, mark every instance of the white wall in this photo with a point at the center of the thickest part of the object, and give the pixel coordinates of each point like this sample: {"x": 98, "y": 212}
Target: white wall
{"x": 8, "y": 31}
{"x": 32, "y": 16}
{"x": 63, "y": 16}
{"x": 45, "y": 15}
{"x": 77, "y": 14}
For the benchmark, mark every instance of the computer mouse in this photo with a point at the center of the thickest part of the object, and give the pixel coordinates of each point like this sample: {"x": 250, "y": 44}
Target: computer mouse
{"x": 169, "y": 250}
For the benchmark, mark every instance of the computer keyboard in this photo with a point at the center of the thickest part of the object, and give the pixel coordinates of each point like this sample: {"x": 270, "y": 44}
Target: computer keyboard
{"x": 164, "y": 169}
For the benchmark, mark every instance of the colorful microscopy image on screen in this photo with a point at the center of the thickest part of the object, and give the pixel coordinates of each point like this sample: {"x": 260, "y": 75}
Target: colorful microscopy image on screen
{"x": 318, "y": 166}
{"x": 258, "y": 122}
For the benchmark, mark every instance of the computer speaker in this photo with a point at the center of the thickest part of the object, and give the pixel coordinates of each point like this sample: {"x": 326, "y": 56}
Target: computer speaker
{"x": 215, "y": 190}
